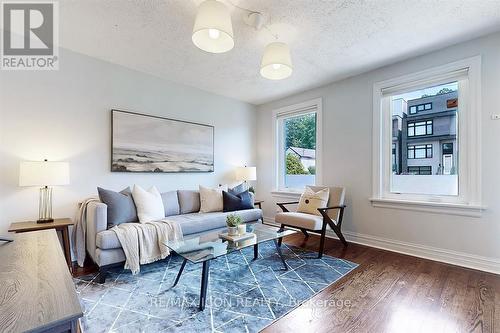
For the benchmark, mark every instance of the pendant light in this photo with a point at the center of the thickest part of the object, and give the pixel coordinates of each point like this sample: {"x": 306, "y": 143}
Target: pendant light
{"x": 213, "y": 30}
{"x": 276, "y": 62}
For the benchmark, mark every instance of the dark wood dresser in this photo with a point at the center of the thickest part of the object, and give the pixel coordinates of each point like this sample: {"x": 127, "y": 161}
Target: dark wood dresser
{"x": 37, "y": 293}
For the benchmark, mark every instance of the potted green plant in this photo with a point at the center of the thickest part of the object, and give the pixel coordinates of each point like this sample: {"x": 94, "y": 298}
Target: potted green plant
{"x": 233, "y": 225}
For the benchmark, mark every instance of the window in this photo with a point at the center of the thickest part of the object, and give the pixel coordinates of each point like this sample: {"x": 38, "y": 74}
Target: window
{"x": 442, "y": 173}
{"x": 420, "y": 170}
{"x": 448, "y": 148}
{"x": 420, "y": 107}
{"x": 297, "y": 146}
{"x": 421, "y": 151}
{"x": 420, "y": 128}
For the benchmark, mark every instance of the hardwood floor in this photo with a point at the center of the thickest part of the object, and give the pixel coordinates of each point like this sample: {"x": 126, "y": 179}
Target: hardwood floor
{"x": 391, "y": 292}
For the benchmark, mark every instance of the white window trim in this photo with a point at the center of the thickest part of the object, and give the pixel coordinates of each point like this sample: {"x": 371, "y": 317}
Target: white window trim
{"x": 468, "y": 202}
{"x": 290, "y": 110}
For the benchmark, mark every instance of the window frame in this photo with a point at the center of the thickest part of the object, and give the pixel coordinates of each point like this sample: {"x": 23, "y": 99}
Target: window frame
{"x": 426, "y": 124}
{"x": 417, "y": 106}
{"x": 413, "y": 147}
{"x": 468, "y": 74}
{"x": 278, "y": 161}
{"x": 420, "y": 167}
{"x": 443, "y": 149}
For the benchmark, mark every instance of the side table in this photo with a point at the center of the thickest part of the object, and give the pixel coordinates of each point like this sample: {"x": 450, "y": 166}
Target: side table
{"x": 58, "y": 224}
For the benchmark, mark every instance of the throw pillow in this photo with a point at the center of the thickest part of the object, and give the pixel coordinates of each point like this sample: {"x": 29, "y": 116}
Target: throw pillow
{"x": 121, "y": 207}
{"x": 189, "y": 201}
{"x": 170, "y": 203}
{"x": 310, "y": 201}
{"x": 233, "y": 202}
{"x": 149, "y": 204}
{"x": 238, "y": 189}
{"x": 211, "y": 199}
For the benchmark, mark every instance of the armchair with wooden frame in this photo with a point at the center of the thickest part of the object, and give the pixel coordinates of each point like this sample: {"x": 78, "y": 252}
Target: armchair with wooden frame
{"x": 331, "y": 216}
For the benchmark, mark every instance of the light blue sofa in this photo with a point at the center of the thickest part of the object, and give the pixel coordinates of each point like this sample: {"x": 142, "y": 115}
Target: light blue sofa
{"x": 182, "y": 206}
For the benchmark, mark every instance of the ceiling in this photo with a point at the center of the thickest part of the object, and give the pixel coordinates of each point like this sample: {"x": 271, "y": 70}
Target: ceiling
{"x": 329, "y": 40}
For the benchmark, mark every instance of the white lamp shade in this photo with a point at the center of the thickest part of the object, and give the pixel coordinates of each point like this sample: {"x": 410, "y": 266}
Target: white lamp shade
{"x": 276, "y": 62}
{"x": 246, "y": 173}
{"x": 43, "y": 173}
{"x": 213, "y": 30}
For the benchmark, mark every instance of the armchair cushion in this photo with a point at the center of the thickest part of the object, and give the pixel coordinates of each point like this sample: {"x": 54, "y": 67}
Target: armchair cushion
{"x": 300, "y": 220}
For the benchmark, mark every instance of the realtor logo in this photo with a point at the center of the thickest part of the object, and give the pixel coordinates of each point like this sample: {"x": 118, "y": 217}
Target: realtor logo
{"x": 29, "y": 36}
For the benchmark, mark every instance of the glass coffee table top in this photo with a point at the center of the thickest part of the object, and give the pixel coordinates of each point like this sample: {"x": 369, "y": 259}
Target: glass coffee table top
{"x": 210, "y": 246}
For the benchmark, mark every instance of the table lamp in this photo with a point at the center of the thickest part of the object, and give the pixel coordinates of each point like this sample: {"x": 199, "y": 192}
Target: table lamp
{"x": 44, "y": 174}
{"x": 246, "y": 174}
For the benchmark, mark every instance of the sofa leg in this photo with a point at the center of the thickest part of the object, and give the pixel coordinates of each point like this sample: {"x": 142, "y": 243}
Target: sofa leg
{"x": 101, "y": 278}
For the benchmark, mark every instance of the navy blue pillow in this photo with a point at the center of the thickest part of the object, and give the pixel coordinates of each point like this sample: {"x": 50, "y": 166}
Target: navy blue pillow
{"x": 233, "y": 202}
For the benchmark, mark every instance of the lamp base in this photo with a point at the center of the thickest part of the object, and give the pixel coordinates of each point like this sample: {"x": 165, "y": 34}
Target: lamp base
{"x": 46, "y": 220}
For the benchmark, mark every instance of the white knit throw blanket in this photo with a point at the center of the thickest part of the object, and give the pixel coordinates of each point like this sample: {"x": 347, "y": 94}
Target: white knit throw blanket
{"x": 80, "y": 229}
{"x": 144, "y": 243}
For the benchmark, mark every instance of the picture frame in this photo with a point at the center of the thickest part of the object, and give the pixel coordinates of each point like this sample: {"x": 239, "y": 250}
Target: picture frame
{"x": 142, "y": 143}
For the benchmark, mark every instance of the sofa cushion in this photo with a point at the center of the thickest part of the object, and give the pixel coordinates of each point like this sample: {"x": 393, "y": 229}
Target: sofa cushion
{"x": 171, "y": 203}
{"x": 190, "y": 224}
{"x": 200, "y": 222}
{"x": 236, "y": 202}
{"x": 121, "y": 206}
{"x": 238, "y": 189}
{"x": 300, "y": 220}
{"x": 149, "y": 204}
{"x": 189, "y": 201}
{"x": 211, "y": 199}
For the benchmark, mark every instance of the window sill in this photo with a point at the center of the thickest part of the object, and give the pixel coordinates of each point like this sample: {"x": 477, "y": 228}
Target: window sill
{"x": 430, "y": 207}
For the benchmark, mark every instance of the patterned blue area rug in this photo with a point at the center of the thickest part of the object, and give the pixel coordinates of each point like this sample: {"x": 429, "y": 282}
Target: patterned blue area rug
{"x": 243, "y": 295}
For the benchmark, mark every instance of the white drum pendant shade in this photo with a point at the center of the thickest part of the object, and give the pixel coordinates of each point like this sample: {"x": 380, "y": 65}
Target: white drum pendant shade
{"x": 213, "y": 31}
{"x": 276, "y": 62}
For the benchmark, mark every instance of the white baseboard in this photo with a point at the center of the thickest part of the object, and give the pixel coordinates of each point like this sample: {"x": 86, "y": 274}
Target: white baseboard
{"x": 463, "y": 259}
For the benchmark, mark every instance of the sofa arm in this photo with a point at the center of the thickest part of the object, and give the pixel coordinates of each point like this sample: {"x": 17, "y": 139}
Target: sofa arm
{"x": 97, "y": 221}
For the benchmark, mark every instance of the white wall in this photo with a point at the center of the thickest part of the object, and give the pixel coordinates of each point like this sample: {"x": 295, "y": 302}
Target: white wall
{"x": 347, "y": 160}
{"x": 65, "y": 115}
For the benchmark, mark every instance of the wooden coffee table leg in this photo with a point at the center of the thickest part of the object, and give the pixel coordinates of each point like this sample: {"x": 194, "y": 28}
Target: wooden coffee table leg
{"x": 67, "y": 250}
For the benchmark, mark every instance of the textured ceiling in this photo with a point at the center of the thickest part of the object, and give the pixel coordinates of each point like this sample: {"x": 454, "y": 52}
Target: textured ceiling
{"x": 329, "y": 40}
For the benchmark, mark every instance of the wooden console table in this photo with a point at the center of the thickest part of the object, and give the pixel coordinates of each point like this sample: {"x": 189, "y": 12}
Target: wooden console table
{"x": 61, "y": 225}
{"x": 37, "y": 293}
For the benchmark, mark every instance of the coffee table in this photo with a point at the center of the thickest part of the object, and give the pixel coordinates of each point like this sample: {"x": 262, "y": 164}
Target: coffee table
{"x": 202, "y": 249}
